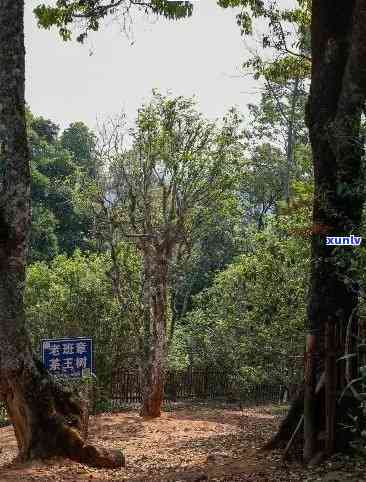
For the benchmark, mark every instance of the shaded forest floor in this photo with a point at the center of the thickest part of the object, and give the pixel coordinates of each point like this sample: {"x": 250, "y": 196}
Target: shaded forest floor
{"x": 189, "y": 444}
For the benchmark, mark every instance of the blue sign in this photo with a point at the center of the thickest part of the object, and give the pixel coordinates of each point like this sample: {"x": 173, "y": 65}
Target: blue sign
{"x": 71, "y": 357}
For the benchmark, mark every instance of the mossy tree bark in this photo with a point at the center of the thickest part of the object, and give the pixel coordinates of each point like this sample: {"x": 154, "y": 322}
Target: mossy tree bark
{"x": 47, "y": 420}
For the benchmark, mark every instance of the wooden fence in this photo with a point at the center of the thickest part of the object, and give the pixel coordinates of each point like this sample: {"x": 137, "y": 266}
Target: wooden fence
{"x": 195, "y": 383}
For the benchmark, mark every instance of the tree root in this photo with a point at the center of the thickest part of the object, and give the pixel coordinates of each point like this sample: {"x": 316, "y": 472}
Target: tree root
{"x": 290, "y": 428}
{"x": 293, "y": 436}
{"x": 289, "y": 424}
{"x": 50, "y": 420}
{"x": 70, "y": 444}
{"x": 100, "y": 457}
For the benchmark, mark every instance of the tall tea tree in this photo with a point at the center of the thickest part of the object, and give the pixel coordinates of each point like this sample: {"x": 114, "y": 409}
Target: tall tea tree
{"x": 177, "y": 166}
{"x": 47, "y": 420}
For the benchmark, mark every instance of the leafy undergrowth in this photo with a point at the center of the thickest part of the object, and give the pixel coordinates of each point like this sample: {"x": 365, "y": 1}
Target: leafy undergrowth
{"x": 194, "y": 444}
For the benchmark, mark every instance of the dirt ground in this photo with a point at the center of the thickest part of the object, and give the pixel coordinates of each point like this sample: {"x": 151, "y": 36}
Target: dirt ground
{"x": 184, "y": 445}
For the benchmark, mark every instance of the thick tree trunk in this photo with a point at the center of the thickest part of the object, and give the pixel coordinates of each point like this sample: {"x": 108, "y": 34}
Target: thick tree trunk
{"x": 336, "y": 101}
{"x": 47, "y": 420}
{"x": 153, "y": 359}
{"x": 341, "y": 436}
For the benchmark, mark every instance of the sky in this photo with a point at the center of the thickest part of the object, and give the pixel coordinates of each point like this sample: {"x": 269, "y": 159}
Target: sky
{"x": 200, "y": 56}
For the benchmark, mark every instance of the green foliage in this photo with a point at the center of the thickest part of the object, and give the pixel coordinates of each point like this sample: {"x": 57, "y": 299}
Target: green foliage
{"x": 278, "y": 149}
{"x": 80, "y": 141}
{"x": 280, "y": 70}
{"x": 42, "y": 129}
{"x": 44, "y": 240}
{"x": 239, "y": 256}
{"x": 217, "y": 236}
{"x": 252, "y": 318}
{"x": 292, "y": 59}
{"x": 278, "y": 107}
{"x": 178, "y": 358}
{"x": 262, "y": 184}
{"x": 156, "y": 193}
{"x": 249, "y": 9}
{"x": 57, "y": 227}
{"x": 179, "y": 166}
{"x": 65, "y": 13}
{"x": 171, "y": 10}
{"x": 4, "y": 420}
{"x": 74, "y": 296}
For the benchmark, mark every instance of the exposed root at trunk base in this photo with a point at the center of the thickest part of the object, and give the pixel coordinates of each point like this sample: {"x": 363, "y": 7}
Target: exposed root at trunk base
{"x": 151, "y": 409}
{"x": 289, "y": 424}
{"x": 152, "y": 399}
{"x": 69, "y": 444}
{"x": 50, "y": 420}
{"x": 100, "y": 457}
{"x": 291, "y": 431}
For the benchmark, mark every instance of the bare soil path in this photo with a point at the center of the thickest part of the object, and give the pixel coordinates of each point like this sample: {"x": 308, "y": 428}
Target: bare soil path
{"x": 185, "y": 445}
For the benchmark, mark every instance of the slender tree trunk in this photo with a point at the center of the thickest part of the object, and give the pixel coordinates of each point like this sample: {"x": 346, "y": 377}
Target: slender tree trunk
{"x": 153, "y": 362}
{"x": 290, "y": 144}
{"x": 47, "y": 420}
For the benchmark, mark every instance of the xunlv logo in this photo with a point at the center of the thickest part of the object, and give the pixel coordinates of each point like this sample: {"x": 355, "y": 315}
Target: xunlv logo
{"x": 344, "y": 240}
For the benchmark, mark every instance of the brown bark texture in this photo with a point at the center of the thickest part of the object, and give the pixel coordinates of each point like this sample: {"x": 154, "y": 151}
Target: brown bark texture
{"x": 47, "y": 419}
{"x": 335, "y": 104}
{"x": 154, "y": 345}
